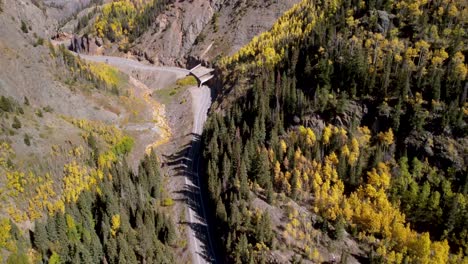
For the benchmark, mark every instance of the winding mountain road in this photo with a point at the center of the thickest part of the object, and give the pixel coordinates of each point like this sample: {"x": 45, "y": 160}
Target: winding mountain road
{"x": 200, "y": 244}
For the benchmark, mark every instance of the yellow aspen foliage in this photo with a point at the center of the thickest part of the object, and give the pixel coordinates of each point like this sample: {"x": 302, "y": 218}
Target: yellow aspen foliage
{"x": 460, "y": 68}
{"x": 115, "y": 221}
{"x": 16, "y": 215}
{"x": 333, "y": 159}
{"x": 5, "y": 152}
{"x": 298, "y": 181}
{"x": 305, "y": 178}
{"x": 379, "y": 178}
{"x": 328, "y": 190}
{"x": 297, "y": 154}
{"x": 386, "y": 138}
{"x": 439, "y": 57}
{"x": 316, "y": 257}
{"x": 342, "y": 134}
{"x": 345, "y": 151}
{"x": 34, "y": 212}
{"x": 277, "y": 173}
{"x": 308, "y": 134}
{"x": 440, "y": 252}
{"x": 420, "y": 248}
{"x": 271, "y": 155}
{"x": 58, "y": 206}
{"x": 105, "y": 160}
{"x": 283, "y": 146}
{"x": 269, "y": 46}
{"x": 453, "y": 10}
{"x": 5, "y": 235}
{"x": 327, "y": 133}
{"x": 108, "y": 74}
{"x": 347, "y": 210}
{"x": 354, "y": 154}
{"x": 76, "y": 180}
{"x": 15, "y": 182}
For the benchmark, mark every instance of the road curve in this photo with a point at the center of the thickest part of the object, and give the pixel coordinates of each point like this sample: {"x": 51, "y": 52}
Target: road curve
{"x": 200, "y": 240}
{"x": 128, "y": 63}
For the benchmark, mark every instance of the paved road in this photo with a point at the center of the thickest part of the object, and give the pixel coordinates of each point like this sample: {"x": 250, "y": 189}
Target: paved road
{"x": 128, "y": 63}
{"x": 200, "y": 240}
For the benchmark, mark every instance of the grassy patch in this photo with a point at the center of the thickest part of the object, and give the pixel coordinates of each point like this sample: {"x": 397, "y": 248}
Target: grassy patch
{"x": 165, "y": 96}
{"x": 187, "y": 81}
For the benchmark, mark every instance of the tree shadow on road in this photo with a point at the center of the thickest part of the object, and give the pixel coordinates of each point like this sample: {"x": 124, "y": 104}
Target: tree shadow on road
{"x": 185, "y": 163}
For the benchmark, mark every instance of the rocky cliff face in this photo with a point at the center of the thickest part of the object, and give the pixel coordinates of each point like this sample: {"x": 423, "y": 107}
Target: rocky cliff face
{"x": 61, "y": 10}
{"x": 204, "y": 29}
{"x": 170, "y": 39}
{"x": 235, "y": 25}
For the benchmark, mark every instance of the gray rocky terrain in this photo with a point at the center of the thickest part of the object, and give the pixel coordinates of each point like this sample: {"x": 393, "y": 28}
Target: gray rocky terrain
{"x": 205, "y": 29}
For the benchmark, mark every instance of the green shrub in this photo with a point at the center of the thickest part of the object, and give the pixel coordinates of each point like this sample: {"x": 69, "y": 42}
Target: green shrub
{"x": 16, "y": 123}
{"x": 17, "y": 258}
{"x": 6, "y": 104}
{"x": 24, "y": 27}
{"x": 39, "y": 42}
{"x": 124, "y": 146}
{"x": 27, "y": 140}
{"x": 48, "y": 109}
{"x": 187, "y": 81}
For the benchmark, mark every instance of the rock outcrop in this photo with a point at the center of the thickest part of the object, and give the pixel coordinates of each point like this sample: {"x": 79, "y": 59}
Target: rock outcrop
{"x": 170, "y": 39}
{"x": 201, "y": 30}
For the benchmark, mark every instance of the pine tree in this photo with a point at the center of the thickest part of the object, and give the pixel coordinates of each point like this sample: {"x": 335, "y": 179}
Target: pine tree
{"x": 244, "y": 186}
{"x": 40, "y": 239}
{"x": 262, "y": 169}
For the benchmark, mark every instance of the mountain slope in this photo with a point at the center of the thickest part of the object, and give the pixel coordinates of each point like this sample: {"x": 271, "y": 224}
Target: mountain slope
{"x": 344, "y": 125}
{"x": 70, "y": 130}
{"x": 204, "y": 30}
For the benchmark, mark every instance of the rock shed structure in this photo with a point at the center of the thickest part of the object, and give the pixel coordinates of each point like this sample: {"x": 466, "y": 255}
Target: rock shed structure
{"x": 202, "y": 74}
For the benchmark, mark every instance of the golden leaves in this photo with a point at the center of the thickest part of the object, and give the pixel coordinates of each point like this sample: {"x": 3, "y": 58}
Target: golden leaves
{"x": 115, "y": 224}
{"x": 386, "y": 138}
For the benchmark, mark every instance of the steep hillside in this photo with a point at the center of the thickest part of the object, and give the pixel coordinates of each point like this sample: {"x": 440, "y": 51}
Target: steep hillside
{"x": 340, "y": 135}
{"x": 178, "y": 32}
{"x": 204, "y": 30}
{"x": 70, "y": 129}
{"x": 234, "y": 25}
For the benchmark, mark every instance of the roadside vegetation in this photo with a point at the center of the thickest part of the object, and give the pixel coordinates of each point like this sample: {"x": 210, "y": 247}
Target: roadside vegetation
{"x": 98, "y": 75}
{"x": 187, "y": 81}
{"x": 167, "y": 95}
{"x": 356, "y": 111}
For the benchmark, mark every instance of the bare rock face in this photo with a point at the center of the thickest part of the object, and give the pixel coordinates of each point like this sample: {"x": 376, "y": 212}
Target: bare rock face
{"x": 80, "y": 44}
{"x": 175, "y": 31}
{"x": 235, "y": 25}
{"x": 61, "y": 10}
{"x": 201, "y": 30}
